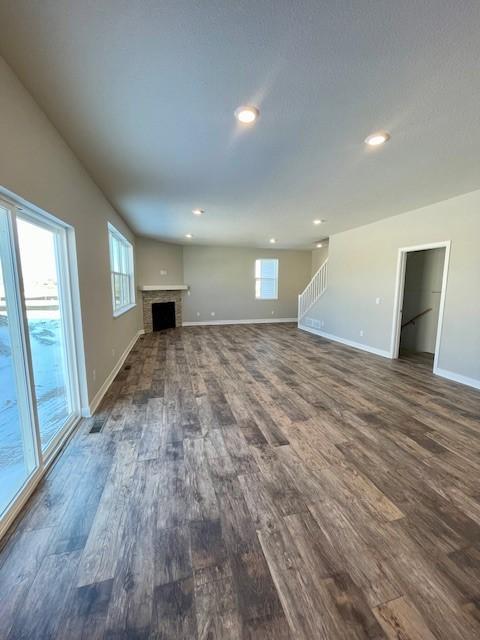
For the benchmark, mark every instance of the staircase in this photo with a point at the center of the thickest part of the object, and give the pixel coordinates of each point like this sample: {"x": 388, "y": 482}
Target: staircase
{"x": 313, "y": 291}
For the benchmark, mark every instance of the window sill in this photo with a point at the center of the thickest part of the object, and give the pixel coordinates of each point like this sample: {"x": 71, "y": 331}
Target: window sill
{"x": 120, "y": 312}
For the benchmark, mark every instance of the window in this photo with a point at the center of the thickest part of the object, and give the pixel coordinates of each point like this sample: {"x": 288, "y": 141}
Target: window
{"x": 121, "y": 267}
{"x": 266, "y": 279}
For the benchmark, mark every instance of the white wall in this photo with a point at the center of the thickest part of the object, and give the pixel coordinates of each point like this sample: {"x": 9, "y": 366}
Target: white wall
{"x": 423, "y": 288}
{"x": 363, "y": 266}
{"x": 36, "y": 164}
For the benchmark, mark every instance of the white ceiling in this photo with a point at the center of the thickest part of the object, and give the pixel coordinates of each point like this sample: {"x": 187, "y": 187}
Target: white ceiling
{"x": 144, "y": 92}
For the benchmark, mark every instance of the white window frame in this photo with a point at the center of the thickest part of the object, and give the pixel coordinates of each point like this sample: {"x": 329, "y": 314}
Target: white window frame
{"x": 275, "y": 279}
{"x": 114, "y": 234}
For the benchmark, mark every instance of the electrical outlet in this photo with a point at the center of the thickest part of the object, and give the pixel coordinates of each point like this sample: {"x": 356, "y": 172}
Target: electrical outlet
{"x": 361, "y": 333}
{"x": 377, "y": 300}
{"x": 273, "y": 313}
{"x": 322, "y": 323}
{"x": 212, "y": 313}
{"x": 198, "y": 314}
{"x": 163, "y": 272}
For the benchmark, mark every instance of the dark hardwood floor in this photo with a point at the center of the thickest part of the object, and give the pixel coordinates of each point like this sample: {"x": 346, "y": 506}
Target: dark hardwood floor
{"x": 256, "y": 482}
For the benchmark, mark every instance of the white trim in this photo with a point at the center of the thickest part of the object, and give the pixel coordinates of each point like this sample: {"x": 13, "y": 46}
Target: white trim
{"x": 456, "y": 377}
{"x": 249, "y": 321}
{"x": 349, "y": 343}
{"x": 21, "y": 353}
{"x": 87, "y": 412}
{"x": 399, "y": 291}
{"x": 115, "y": 234}
{"x": 121, "y": 310}
{"x": 77, "y": 318}
{"x": 164, "y": 287}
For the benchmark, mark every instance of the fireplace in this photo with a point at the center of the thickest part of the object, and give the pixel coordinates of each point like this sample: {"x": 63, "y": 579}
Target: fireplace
{"x": 163, "y": 316}
{"x": 153, "y": 295}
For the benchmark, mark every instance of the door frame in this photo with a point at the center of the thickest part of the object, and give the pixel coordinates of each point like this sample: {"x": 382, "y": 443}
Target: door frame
{"x": 66, "y": 253}
{"x": 399, "y": 293}
{"x": 66, "y": 304}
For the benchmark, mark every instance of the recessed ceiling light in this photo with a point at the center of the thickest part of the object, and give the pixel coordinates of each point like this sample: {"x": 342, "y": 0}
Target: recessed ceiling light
{"x": 188, "y": 235}
{"x": 377, "y": 138}
{"x": 318, "y": 221}
{"x": 247, "y": 114}
{"x": 198, "y": 212}
{"x": 272, "y": 240}
{"x": 319, "y": 245}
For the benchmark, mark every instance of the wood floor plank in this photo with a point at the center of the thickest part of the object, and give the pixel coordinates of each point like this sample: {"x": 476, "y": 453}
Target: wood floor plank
{"x": 200, "y": 493}
{"x": 85, "y": 619}
{"x": 39, "y": 617}
{"x": 216, "y": 609}
{"x": 131, "y": 602}
{"x": 400, "y": 619}
{"x": 99, "y": 557}
{"x": 174, "y": 611}
{"x": 20, "y": 565}
{"x": 172, "y": 555}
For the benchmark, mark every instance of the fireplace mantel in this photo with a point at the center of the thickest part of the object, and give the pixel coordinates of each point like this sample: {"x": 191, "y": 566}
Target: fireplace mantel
{"x": 164, "y": 287}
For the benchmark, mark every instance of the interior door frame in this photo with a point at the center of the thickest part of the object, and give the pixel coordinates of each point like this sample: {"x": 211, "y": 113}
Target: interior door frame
{"x": 399, "y": 293}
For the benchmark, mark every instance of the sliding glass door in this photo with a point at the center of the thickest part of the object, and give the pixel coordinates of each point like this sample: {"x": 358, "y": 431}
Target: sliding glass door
{"x": 41, "y": 272}
{"x": 38, "y": 371}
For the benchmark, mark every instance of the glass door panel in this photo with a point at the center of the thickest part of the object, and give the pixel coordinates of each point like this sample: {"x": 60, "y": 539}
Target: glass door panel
{"x": 41, "y": 272}
{"x": 18, "y": 457}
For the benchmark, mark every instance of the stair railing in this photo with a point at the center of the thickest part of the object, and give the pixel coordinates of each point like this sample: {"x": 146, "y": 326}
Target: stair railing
{"x": 313, "y": 291}
{"x": 412, "y": 320}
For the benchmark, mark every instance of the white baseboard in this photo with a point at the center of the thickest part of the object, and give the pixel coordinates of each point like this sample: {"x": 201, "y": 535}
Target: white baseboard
{"x": 251, "y": 321}
{"x": 456, "y": 377}
{"x": 348, "y": 343}
{"x": 87, "y": 412}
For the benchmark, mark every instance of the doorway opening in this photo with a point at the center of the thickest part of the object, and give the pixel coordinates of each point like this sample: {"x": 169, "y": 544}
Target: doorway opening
{"x": 422, "y": 278}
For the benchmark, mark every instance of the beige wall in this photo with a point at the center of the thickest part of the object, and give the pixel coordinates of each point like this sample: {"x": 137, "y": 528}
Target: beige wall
{"x": 363, "y": 266}
{"x": 154, "y": 257}
{"x": 36, "y": 164}
{"x": 221, "y": 281}
{"x": 318, "y": 258}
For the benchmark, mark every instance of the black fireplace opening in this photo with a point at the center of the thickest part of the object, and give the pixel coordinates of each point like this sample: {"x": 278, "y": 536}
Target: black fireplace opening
{"x": 163, "y": 315}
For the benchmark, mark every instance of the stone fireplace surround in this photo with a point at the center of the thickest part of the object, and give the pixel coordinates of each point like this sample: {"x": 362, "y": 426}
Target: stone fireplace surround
{"x": 160, "y": 295}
